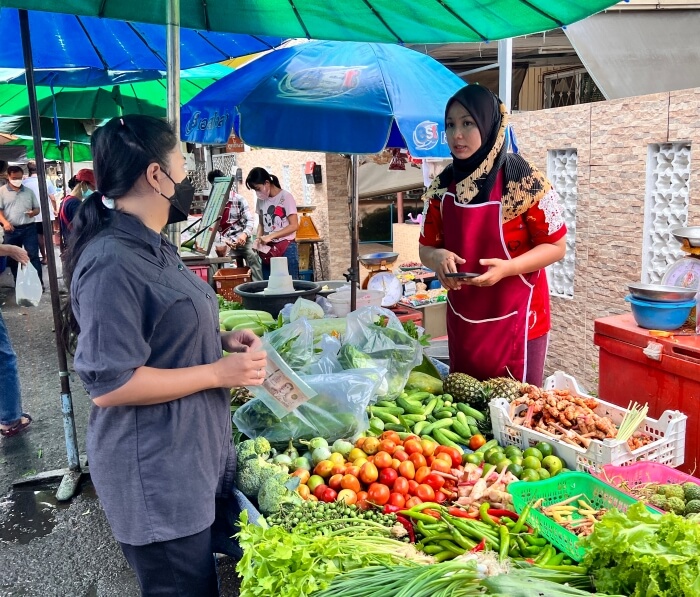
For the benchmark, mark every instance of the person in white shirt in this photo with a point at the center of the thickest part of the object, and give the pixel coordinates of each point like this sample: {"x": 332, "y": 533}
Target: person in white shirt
{"x": 32, "y": 182}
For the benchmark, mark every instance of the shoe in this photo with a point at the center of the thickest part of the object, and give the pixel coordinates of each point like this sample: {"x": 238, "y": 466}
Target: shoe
{"x": 17, "y": 427}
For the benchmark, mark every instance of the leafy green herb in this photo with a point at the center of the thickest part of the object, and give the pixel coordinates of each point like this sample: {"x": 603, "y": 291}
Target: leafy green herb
{"x": 225, "y": 305}
{"x": 412, "y": 330}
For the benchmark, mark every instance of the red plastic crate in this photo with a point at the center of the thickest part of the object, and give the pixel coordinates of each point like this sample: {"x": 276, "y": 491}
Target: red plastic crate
{"x": 201, "y": 270}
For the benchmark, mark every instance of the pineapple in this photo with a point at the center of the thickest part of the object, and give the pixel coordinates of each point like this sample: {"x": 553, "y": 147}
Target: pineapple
{"x": 504, "y": 387}
{"x": 464, "y": 388}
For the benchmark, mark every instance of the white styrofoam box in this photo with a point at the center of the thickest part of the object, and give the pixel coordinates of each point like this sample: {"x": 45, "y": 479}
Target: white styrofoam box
{"x": 669, "y": 432}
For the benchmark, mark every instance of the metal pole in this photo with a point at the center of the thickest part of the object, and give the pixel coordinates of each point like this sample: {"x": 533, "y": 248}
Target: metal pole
{"x": 354, "y": 229}
{"x": 70, "y": 481}
{"x": 173, "y": 82}
{"x": 72, "y": 163}
{"x": 505, "y": 72}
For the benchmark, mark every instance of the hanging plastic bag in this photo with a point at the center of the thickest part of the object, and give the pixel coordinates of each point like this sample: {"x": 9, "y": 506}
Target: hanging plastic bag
{"x": 294, "y": 342}
{"x": 28, "y": 286}
{"x": 378, "y": 334}
{"x": 326, "y": 359}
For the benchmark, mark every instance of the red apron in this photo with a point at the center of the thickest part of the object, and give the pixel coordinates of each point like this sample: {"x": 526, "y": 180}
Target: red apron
{"x": 486, "y": 325}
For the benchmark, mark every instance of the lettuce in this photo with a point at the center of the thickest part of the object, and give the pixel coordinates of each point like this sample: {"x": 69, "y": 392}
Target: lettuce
{"x": 642, "y": 554}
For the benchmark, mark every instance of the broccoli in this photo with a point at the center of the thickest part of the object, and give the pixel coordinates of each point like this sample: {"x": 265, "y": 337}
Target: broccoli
{"x": 262, "y": 446}
{"x": 659, "y": 501}
{"x": 252, "y": 473}
{"x": 676, "y": 505}
{"x": 246, "y": 450}
{"x": 691, "y": 491}
{"x": 692, "y": 507}
{"x": 675, "y": 491}
{"x": 274, "y": 492}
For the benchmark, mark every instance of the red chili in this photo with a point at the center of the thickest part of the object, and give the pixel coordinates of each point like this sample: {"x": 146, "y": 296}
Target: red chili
{"x": 479, "y": 547}
{"x": 391, "y": 509}
{"x": 497, "y": 513}
{"x": 459, "y": 513}
{"x": 408, "y": 525}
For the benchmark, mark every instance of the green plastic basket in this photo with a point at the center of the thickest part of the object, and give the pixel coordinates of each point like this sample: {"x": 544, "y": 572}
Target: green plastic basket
{"x": 557, "y": 489}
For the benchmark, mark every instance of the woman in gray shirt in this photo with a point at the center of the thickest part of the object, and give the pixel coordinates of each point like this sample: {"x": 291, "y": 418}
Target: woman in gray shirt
{"x": 150, "y": 354}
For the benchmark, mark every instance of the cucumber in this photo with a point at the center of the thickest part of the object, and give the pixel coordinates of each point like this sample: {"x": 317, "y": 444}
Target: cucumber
{"x": 444, "y": 413}
{"x": 471, "y": 412}
{"x": 451, "y": 435}
{"x": 462, "y": 430}
{"x": 388, "y": 403}
{"x": 419, "y": 426}
{"x": 392, "y": 410}
{"x": 253, "y": 326}
{"x": 410, "y": 407}
{"x": 490, "y": 444}
{"x": 386, "y": 417}
{"x": 443, "y": 440}
{"x": 430, "y": 407}
{"x": 442, "y": 424}
{"x": 394, "y": 427}
{"x": 474, "y": 429}
{"x": 419, "y": 395}
{"x": 414, "y": 418}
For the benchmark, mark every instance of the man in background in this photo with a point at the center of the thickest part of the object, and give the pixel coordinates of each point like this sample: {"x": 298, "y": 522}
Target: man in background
{"x": 32, "y": 182}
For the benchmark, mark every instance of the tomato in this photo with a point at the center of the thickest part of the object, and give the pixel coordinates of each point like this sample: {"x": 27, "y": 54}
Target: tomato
{"x": 351, "y": 469}
{"x": 435, "y": 481}
{"x": 371, "y": 445}
{"x": 378, "y": 494}
{"x": 441, "y": 465}
{"x": 440, "y": 497}
{"x": 454, "y": 454}
{"x": 401, "y": 486}
{"x": 395, "y": 463}
{"x": 392, "y": 436}
{"x": 313, "y": 498}
{"x": 388, "y": 446}
{"x": 400, "y": 454}
{"x": 443, "y": 456}
{"x": 422, "y": 473}
{"x": 328, "y": 495}
{"x": 361, "y": 502}
{"x": 338, "y": 469}
{"x": 302, "y": 473}
{"x": 324, "y": 468}
{"x": 388, "y": 476}
{"x": 412, "y": 486}
{"x": 417, "y": 459}
{"x": 337, "y": 458}
{"x": 368, "y": 473}
{"x": 334, "y": 482}
{"x": 348, "y": 496}
{"x": 428, "y": 447}
{"x": 433, "y": 513}
{"x": 318, "y": 492}
{"x": 412, "y": 446}
{"x": 397, "y": 499}
{"x": 414, "y": 501}
{"x": 406, "y": 469}
{"x": 350, "y": 482}
{"x": 382, "y": 460}
{"x": 425, "y": 493}
{"x": 359, "y": 462}
{"x": 411, "y": 436}
{"x": 476, "y": 441}
{"x": 304, "y": 491}
{"x": 356, "y": 453}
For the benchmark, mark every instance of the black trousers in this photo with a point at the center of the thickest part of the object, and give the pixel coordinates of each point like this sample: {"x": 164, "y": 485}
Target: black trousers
{"x": 182, "y": 567}
{"x": 25, "y": 236}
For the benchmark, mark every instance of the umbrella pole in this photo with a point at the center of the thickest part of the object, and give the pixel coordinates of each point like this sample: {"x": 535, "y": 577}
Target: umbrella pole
{"x": 69, "y": 483}
{"x": 72, "y": 163}
{"x": 173, "y": 82}
{"x": 354, "y": 229}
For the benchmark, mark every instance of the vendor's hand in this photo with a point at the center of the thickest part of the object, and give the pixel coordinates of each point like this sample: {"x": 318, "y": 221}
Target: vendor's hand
{"x": 16, "y": 253}
{"x": 241, "y": 369}
{"x": 241, "y": 341}
{"x": 8, "y": 227}
{"x": 498, "y": 269}
{"x": 447, "y": 262}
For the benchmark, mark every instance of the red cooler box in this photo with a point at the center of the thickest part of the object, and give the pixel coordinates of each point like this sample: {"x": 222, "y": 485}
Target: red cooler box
{"x": 666, "y": 380}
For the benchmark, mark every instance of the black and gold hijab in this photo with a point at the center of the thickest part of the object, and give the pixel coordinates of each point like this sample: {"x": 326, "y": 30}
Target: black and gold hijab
{"x": 524, "y": 185}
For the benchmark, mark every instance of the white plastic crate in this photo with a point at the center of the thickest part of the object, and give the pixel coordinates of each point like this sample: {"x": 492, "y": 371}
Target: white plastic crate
{"x": 669, "y": 431}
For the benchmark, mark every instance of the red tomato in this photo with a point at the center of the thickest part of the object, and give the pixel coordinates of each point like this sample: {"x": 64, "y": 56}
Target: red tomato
{"x": 387, "y": 445}
{"x": 411, "y": 436}
{"x": 425, "y": 493}
{"x": 329, "y": 495}
{"x": 401, "y": 486}
{"x": 350, "y": 482}
{"x": 412, "y": 486}
{"x": 368, "y": 473}
{"x": 362, "y": 500}
{"x": 443, "y": 456}
{"x": 414, "y": 501}
{"x": 441, "y": 465}
{"x": 319, "y": 489}
{"x": 422, "y": 473}
{"x": 440, "y": 497}
{"x": 454, "y": 454}
{"x": 428, "y": 447}
{"x": 395, "y": 463}
{"x": 417, "y": 459}
{"x": 397, "y": 499}
{"x": 348, "y": 496}
{"x": 388, "y": 476}
{"x": 378, "y": 494}
{"x": 391, "y": 435}
{"x": 406, "y": 469}
{"x": 400, "y": 454}
{"x": 334, "y": 482}
{"x": 435, "y": 481}
{"x": 382, "y": 459}
{"x": 412, "y": 446}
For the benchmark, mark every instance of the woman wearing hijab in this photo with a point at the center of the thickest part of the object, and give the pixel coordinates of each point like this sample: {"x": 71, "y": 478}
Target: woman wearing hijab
{"x": 493, "y": 214}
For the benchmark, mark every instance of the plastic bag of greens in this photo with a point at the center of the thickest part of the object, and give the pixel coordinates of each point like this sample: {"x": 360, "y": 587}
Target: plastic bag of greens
{"x": 326, "y": 357}
{"x": 337, "y": 411}
{"x": 378, "y": 334}
{"x": 294, "y": 342}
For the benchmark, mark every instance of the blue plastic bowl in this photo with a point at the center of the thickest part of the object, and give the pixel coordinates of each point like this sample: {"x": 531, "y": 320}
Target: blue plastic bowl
{"x": 659, "y": 316}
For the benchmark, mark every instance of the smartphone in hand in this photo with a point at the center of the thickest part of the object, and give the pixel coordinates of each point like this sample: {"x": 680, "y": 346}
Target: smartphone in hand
{"x": 462, "y": 275}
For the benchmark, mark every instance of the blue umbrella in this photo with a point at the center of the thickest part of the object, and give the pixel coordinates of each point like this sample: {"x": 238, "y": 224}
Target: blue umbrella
{"x": 90, "y": 52}
{"x": 342, "y": 97}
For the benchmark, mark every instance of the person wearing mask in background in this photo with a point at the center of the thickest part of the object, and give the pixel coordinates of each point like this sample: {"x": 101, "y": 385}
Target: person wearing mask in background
{"x": 237, "y": 228}
{"x": 149, "y": 353}
{"x": 278, "y": 221}
{"x": 493, "y": 214}
{"x": 18, "y": 206}
{"x": 12, "y": 419}
{"x": 3, "y": 172}
{"x": 32, "y": 182}
{"x": 82, "y": 185}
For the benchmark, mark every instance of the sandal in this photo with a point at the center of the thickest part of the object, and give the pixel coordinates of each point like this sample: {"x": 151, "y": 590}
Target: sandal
{"x": 17, "y": 427}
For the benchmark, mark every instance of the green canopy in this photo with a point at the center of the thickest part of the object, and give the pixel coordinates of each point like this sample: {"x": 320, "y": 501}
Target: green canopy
{"x": 81, "y": 151}
{"x": 407, "y": 21}
{"x": 71, "y": 129}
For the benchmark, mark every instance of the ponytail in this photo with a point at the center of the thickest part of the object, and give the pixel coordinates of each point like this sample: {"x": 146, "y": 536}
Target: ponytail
{"x": 275, "y": 181}
{"x": 259, "y": 175}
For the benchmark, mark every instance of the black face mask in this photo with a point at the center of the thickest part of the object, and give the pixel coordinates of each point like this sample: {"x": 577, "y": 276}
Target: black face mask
{"x": 180, "y": 201}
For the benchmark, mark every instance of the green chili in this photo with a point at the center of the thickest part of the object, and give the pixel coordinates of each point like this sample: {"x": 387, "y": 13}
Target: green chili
{"x": 505, "y": 543}
{"x": 521, "y": 520}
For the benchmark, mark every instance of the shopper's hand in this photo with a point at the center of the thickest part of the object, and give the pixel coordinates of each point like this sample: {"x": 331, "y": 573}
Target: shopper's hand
{"x": 241, "y": 369}
{"x": 242, "y": 239}
{"x": 240, "y": 341}
{"x": 447, "y": 262}
{"x": 8, "y": 227}
{"x": 498, "y": 269}
{"x": 16, "y": 253}
{"x": 266, "y": 239}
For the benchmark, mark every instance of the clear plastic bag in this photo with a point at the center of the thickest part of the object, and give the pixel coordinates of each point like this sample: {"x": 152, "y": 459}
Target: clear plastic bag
{"x": 28, "y": 286}
{"x": 338, "y": 411}
{"x": 294, "y": 342}
{"x": 326, "y": 358}
{"x": 378, "y": 333}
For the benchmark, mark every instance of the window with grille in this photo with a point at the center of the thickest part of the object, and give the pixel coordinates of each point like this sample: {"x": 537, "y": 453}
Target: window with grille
{"x": 571, "y": 87}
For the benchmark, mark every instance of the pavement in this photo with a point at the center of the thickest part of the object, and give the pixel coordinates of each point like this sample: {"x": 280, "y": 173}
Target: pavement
{"x": 49, "y": 549}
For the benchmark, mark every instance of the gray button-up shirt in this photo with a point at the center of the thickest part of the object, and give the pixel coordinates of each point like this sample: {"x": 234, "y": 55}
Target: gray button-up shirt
{"x": 15, "y": 204}
{"x": 156, "y": 468}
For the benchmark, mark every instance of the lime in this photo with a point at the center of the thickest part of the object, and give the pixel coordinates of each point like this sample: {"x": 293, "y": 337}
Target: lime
{"x": 545, "y": 448}
{"x": 517, "y": 459}
{"x": 533, "y": 452}
{"x": 496, "y": 457}
{"x": 532, "y": 462}
{"x": 475, "y": 458}
{"x": 492, "y": 451}
{"x": 513, "y": 451}
{"x": 553, "y": 464}
{"x": 543, "y": 474}
{"x": 529, "y": 475}
{"x": 501, "y": 464}
{"x": 515, "y": 469}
